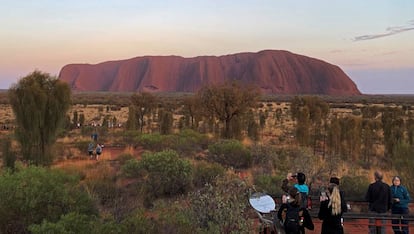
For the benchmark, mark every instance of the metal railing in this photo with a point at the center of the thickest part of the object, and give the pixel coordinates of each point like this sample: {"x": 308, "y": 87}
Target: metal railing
{"x": 353, "y": 223}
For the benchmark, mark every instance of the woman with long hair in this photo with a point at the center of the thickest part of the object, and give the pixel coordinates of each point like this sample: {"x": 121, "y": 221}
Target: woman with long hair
{"x": 330, "y": 211}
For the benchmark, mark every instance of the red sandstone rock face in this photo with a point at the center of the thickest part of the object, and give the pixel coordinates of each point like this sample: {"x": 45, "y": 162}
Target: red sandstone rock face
{"x": 274, "y": 71}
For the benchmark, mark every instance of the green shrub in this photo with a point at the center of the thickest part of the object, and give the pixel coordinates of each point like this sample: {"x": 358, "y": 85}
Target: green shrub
{"x": 104, "y": 191}
{"x": 132, "y": 169}
{"x": 124, "y": 157}
{"x": 221, "y": 208}
{"x": 174, "y": 218}
{"x": 269, "y": 184}
{"x": 188, "y": 141}
{"x": 69, "y": 223}
{"x": 155, "y": 141}
{"x": 354, "y": 187}
{"x": 34, "y": 194}
{"x": 206, "y": 173}
{"x": 9, "y": 156}
{"x": 230, "y": 153}
{"x": 164, "y": 173}
{"x": 138, "y": 223}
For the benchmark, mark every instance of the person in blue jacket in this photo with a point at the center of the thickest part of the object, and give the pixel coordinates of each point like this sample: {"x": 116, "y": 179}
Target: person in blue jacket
{"x": 299, "y": 180}
{"x": 400, "y": 200}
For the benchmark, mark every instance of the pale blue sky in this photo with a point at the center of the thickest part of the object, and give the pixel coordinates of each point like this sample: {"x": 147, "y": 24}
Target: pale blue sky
{"x": 371, "y": 40}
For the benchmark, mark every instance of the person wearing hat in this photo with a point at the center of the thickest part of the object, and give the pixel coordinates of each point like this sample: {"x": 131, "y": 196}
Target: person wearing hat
{"x": 400, "y": 200}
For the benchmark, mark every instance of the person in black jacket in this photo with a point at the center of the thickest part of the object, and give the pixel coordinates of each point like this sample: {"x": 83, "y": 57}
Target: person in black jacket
{"x": 379, "y": 198}
{"x": 304, "y": 219}
{"x": 330, "y": 211}
{"x": 344, "y": 207}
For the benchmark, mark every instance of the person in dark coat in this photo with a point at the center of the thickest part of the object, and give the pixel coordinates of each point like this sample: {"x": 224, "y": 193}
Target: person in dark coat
{"x": 294, "y": 200}
{"x": 379, "y": 198}
{"x": 344, "y": 207}
{"x": 330, "y": 211}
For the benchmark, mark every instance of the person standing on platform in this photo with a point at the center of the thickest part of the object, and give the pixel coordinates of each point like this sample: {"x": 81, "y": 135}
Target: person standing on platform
{"x": 400, "y": 200}
{"x": 379, "y": 198}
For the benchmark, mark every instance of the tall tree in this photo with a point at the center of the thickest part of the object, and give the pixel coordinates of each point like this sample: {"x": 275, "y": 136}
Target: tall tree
{"x": 227, "y": 101}
{"x": 192, "y": 110}
{"x": 40, "y": 103}
{"x": 143, "y": 104}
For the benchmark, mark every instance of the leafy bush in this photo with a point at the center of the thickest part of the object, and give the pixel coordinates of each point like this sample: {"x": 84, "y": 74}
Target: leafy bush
{"x": 32, "y": 195}
{"x": 132, "y": 169}
{"x": 221, "y": 208}
{"x": 186, "y": 141}
{"x": 206, "y": 173}
{"x": 269, "y": 184}
{"x": 69, "y": 223}
{"x": 104, "y": 191}
{"x": 79, "y": 223}
{"x": 155, "y": 141}
{"x": 164, "y": 173}
{"x": 124, "y": 157}
{"x": 138, "y": 223}
{"x": 354, "y": 187}
{"x": 173, "y": 217}
{"x": 9, "y": 156}
{"x": 230, "y": 153}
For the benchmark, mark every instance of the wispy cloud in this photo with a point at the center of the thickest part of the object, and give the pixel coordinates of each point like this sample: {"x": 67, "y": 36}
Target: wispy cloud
{"x": 389, "y": 32}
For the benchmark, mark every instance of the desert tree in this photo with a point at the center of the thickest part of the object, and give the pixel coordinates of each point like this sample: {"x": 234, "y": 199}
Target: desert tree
{"x": 392, "y": 124}
{"x": 252, "y": 126}
{"x": 369, "y": 135}
{"x": 410, "y": 131}
{"x": 226, "y": 101}
{"x": 310, "y": 113}
{"x": 166, "y": 121}
{"x": 40, "y": 103}
{"x": 351, "y": 131}
{"x": 132, "y": 121}
{"x": 192, "y": 111}
{"x": 334, "y": 136}
{"x": 8, "y": 154}
{"x": 81, "y": 119}
{"x": 75, "y": 119}
{"x": 143, "y": 104}
{"x": 303, "y": 127}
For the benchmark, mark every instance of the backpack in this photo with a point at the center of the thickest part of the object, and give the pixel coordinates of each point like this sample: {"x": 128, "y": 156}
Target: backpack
{"x": 98, "y": 149}
{"x": 292, "y": 223}
{"x": 304, "y": 201}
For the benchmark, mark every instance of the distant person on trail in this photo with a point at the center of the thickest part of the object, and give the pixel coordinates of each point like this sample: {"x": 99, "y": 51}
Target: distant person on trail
{"x": 400, "y": 200}
{"x": 98, "y": 151}
{"x": 94, "y": 136}
{"x": 91, "y": 147}
{"x": 379, "y": 198}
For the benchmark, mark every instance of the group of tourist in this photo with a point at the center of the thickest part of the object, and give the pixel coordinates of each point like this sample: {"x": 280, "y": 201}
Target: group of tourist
{"x": 94, "y": 151}
{"x": 293, "y": 214}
